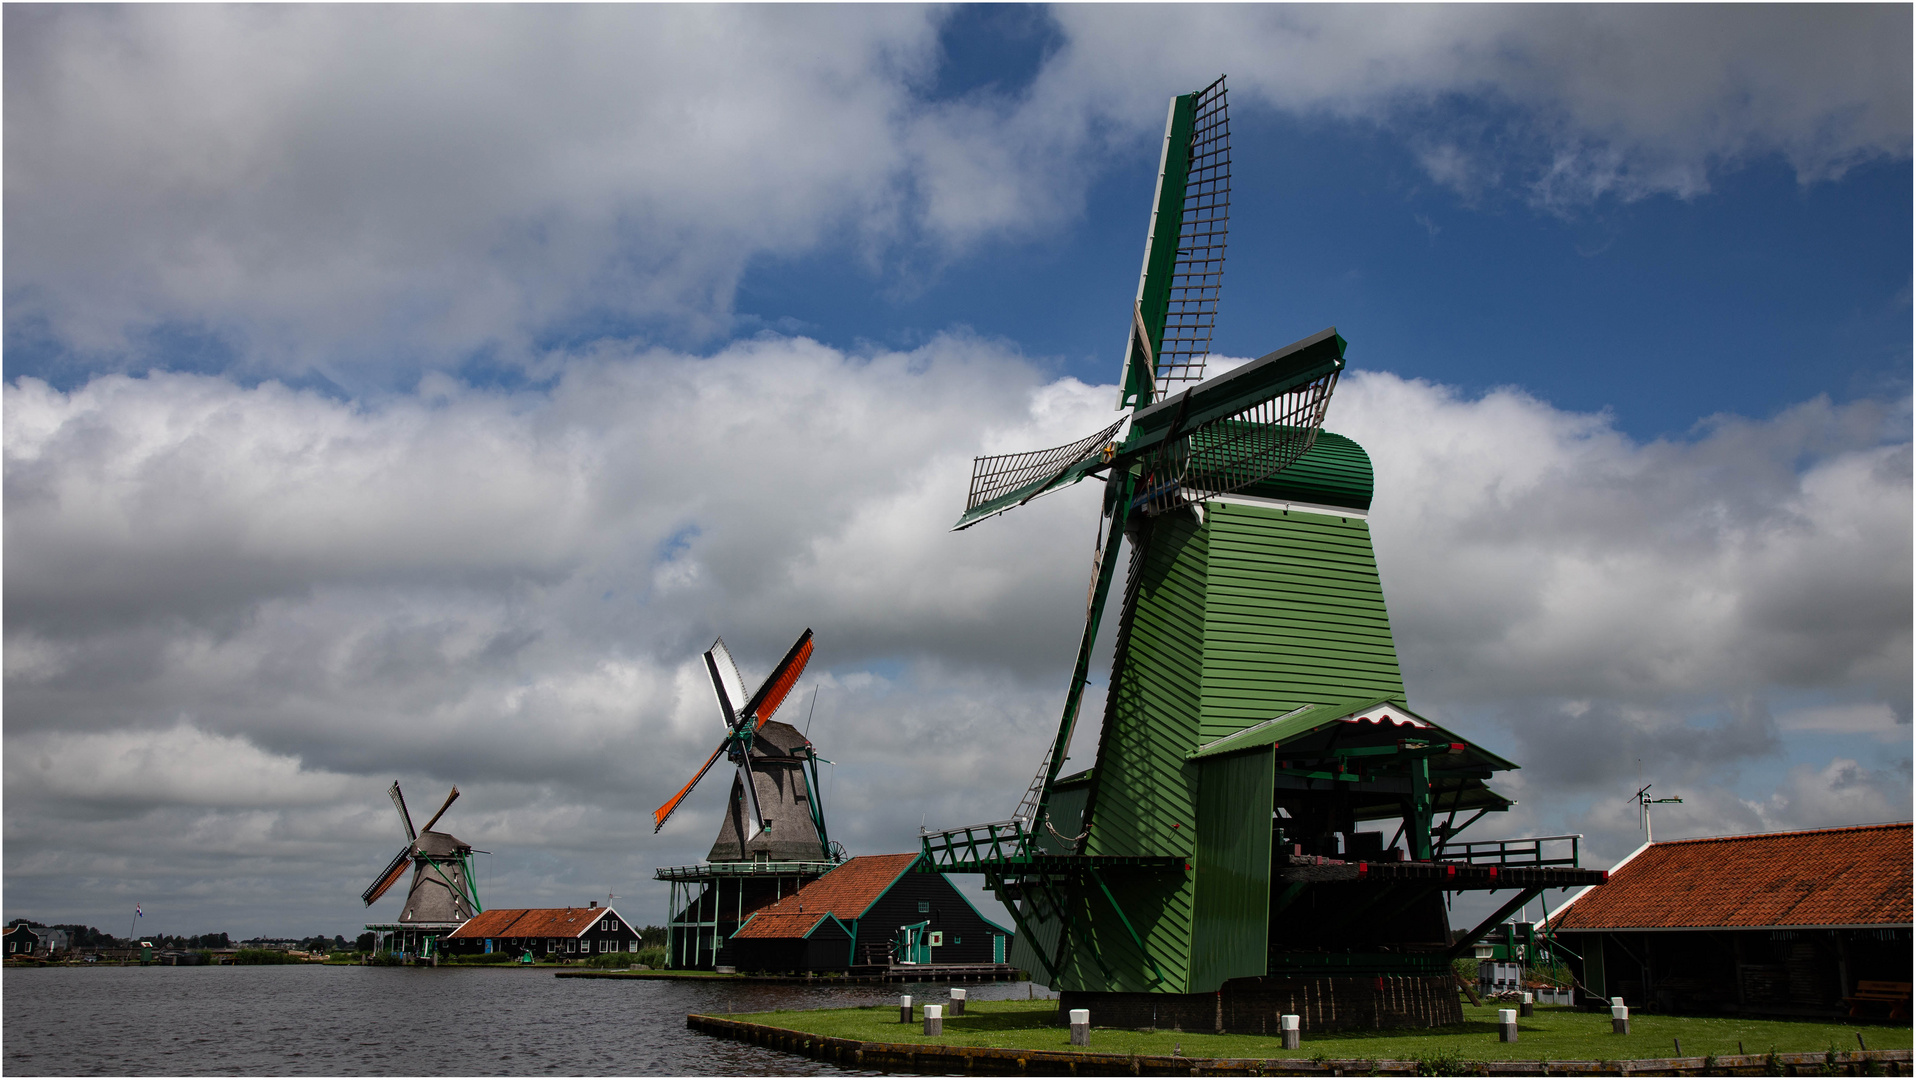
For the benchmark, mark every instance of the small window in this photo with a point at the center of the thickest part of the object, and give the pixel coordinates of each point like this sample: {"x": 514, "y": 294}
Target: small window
{"x": 632, "y": 947}
{"x": 924, "y": 907}
{"x": 605, "y": 945}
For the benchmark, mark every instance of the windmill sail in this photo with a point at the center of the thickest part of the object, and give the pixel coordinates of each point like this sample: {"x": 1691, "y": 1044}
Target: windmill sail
{"x": 1170, "y": 327}
{"x": 726, "y": 682}
{"x": 742, "y": 720}
{"x": 1189, "y": 304}
{"x": 388, "y": 877}
{"x": 399, "y": 801}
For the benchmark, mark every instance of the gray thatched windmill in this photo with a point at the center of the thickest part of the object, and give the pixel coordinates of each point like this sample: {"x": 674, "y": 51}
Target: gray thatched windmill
{"x": 772, "y": 838}
{"x": 443, "y": 894}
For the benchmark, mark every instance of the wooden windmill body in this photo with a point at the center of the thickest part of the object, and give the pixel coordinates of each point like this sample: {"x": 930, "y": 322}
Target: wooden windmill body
{"x": 1212, "y": 869}
{"x": 443, "y": 894}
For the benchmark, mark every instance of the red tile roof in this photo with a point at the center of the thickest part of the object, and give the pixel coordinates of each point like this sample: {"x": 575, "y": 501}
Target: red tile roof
{"x": 1856, "y": 876}
{"x": 794, "y": 925}
{"x": 846, "y": 890}
{"x": 535, "y": 922}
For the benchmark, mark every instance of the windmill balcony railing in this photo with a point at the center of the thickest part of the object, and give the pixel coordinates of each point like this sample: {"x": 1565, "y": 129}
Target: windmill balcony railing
{"x": 972, "y": 845}
{"x": 708, "y": 871}
{"x": 1517, "y": 851}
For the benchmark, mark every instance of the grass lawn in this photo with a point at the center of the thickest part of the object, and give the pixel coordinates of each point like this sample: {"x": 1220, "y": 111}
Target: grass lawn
{"x": 1557, "y": 1033}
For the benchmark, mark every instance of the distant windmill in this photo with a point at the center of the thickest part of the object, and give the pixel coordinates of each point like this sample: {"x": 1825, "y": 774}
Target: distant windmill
{"x": 772, "y": 838}
{"x": 442, "y": 887}
{"x": 773, "y": 812}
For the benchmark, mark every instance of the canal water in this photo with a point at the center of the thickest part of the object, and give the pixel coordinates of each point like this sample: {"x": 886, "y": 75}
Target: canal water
{"x": 362, "y": 1021}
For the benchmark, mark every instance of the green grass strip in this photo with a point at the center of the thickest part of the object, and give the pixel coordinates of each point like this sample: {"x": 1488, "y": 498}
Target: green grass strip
{"x": 1555, "y": 1033}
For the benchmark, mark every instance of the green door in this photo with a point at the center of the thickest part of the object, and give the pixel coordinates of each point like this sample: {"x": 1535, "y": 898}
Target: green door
{"x": 914, "y": 943}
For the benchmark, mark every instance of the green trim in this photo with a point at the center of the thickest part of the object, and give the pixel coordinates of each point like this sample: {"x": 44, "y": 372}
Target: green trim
{"x": 1307, "y": 719}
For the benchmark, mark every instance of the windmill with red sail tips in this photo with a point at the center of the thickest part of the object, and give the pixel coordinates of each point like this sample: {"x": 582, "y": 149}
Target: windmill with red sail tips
{"x": 772, "y": 812}
{"x": 772, "y": 837}
{"x": 443, "y": 894}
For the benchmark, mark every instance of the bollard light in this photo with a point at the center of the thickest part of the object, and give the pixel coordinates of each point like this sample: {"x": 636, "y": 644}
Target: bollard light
{"x": 1290, "y": 1025}
{"x": 1081, "y": 1027}
{"x": 934, "y": 1019}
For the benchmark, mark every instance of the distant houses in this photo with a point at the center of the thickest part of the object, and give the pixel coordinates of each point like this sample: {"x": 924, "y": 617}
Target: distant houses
{"x": 1782, "y": 924}
{"x": 567, "y": 933}
{"x": 26, "y": 938}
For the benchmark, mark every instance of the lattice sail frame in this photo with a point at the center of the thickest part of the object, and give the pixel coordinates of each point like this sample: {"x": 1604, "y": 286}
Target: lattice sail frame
{"x": 1233, "y": 452}
{"x": 995, "y": 476}
{"x": 1198, "y": 276}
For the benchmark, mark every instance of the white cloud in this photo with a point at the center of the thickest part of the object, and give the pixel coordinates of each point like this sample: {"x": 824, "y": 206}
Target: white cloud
{"x": 1874, "y": 719}
{"x": 1526, "y": 550}
{"x": 1841, "y": 792}
{"x": 180, "y": 766}
{"x": 508, "y": 590}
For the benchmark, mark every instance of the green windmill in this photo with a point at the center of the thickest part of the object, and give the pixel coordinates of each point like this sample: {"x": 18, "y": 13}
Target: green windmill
{"x": 1213, "y": 869}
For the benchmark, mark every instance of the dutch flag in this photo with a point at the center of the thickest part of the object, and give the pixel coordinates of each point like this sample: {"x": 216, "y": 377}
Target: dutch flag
{"x": 137, "y": 913}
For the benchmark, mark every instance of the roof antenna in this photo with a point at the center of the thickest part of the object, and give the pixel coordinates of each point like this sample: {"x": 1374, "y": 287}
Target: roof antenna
{"x": 1644, "y": 803}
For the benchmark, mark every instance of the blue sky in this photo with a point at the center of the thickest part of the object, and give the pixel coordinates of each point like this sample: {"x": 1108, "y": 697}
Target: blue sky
{"x": 414, "y": 392}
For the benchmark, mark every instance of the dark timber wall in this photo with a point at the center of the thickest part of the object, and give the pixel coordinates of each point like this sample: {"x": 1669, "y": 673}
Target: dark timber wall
{"x": 1252, "y": 1006}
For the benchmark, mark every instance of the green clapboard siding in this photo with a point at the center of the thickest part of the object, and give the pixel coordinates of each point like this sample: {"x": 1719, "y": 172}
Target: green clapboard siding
{"x": 1144, "y": 801}
{"x": 1295, "y": 615}
{"x": 1233, "y": 863}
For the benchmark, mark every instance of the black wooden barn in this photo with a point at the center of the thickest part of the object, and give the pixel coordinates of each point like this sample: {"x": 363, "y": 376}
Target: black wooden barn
{"x": 871, "y": 911}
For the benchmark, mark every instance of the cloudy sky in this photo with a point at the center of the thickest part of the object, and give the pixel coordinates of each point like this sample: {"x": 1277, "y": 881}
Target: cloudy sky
{"x": 413, "y": 392}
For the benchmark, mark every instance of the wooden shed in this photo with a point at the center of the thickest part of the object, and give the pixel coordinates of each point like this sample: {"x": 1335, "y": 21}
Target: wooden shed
{"x": 869, "y": 911}
{"x": 1813, "y": 923}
